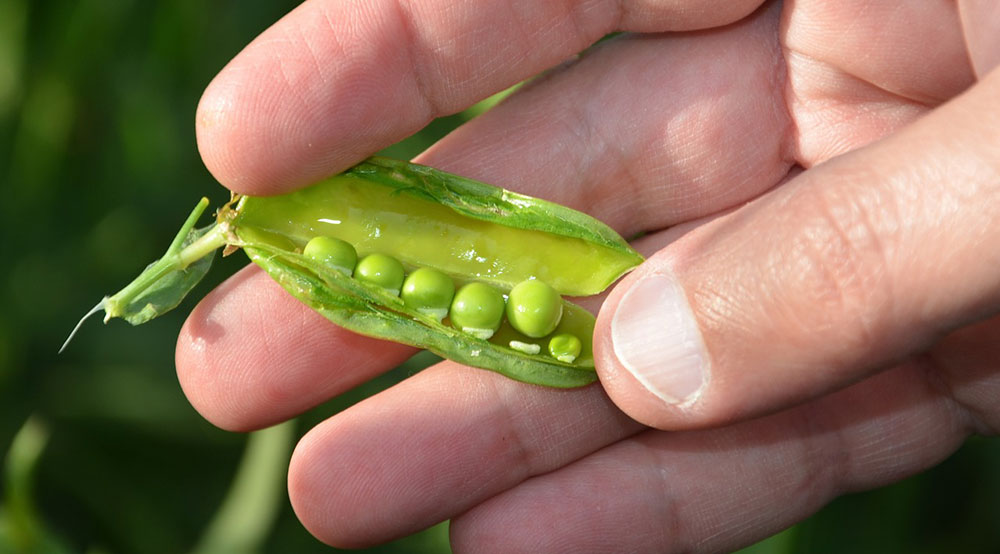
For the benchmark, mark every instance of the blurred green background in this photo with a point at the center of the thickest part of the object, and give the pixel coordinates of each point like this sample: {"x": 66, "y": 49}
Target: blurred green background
{"x": 102, "y": 453}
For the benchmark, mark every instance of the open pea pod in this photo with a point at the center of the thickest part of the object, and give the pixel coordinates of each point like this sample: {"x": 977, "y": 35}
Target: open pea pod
{"x": 424, "y": 218}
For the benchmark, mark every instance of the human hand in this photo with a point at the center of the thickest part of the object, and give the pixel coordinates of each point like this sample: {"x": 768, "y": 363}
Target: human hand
{"x": 833, "y": 276}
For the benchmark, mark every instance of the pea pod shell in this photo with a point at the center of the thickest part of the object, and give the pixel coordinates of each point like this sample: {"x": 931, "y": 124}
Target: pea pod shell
{"x": 425, "y": 218}
{"x": 428, "y": 218}
{"x": 366, "y": 310}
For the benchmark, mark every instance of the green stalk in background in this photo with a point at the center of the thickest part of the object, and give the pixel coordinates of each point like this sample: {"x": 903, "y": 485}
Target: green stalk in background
{"x": 21, "y": 527}
{"x": 245, "y": 518}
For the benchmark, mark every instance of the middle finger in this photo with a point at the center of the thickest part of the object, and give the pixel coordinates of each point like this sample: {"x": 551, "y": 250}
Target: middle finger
{"x": 642, "y": 132}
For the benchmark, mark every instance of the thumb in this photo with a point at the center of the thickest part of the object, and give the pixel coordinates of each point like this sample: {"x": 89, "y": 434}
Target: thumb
{"x": 849, "y": 267}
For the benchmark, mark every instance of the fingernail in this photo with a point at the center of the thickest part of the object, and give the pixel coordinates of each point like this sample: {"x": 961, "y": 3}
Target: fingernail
{"x": 656, "y": 338}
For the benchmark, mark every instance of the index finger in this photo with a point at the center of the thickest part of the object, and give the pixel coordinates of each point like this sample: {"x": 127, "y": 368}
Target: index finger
{"x": 333, "y": 82}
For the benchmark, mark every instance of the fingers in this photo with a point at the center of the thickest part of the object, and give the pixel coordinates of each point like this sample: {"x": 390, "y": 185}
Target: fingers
{"x": 720, "y": 489}
{"x": 436, "y": 445}
{"x": 642, "y": 132}
{"x": 912, "y": 50}
{"x": 859, "y": 70}
{"x": 852, "y": 265}
{"x": 250, "y": 355}
{"x": 452, "y": 440}
{"x": 980, "y": 21}
{"x": 311, "y": 95}
{"x": 967, "y": 362}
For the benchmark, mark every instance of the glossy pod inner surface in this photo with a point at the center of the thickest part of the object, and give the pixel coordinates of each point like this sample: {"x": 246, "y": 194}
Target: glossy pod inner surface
{"x": 422, "y": 233}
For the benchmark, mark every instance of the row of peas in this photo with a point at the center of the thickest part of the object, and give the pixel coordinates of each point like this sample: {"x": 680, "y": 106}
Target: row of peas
{"x": 533, "y": 307}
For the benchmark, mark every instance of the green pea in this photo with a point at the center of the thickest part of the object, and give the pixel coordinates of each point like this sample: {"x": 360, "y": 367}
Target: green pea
{"x": 534, "y": 308}
{"x": 428, "y": 291}
{"x": 565, "y": 347}
{"x": 333, "y": 252}
{"x": 382, "y": 271}
{"x": 477, "y": 309}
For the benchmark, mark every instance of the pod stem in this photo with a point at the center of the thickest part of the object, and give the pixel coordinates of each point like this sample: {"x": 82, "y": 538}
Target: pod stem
{"x": 178, "y": 257}
{"x": 174, "y": 259}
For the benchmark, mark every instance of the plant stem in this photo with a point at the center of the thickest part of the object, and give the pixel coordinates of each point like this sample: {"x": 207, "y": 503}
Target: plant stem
{"x": 24, "y": 526}
{"x": 244, "y": 520}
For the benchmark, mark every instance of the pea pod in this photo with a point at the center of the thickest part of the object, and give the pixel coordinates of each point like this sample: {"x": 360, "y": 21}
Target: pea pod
{"x": 423, "y": 218}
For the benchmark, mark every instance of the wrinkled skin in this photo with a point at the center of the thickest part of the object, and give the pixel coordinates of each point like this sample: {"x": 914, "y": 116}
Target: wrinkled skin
{"x": 849, "y": 312}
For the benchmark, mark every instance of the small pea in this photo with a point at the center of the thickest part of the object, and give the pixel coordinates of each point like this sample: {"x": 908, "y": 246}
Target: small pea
{"x": 332, "y": 252}
{"x": 565, "y": 347}
{"x": 428, "y": 291}
{"x": 381, "y": 271}
{"x": 534, "y": 308}
{"x": 477, "y": 309}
